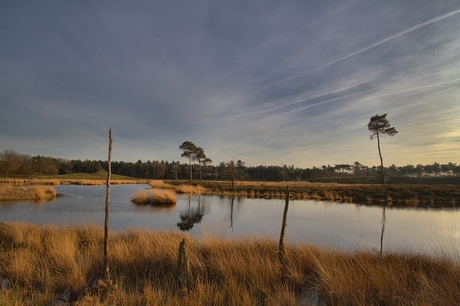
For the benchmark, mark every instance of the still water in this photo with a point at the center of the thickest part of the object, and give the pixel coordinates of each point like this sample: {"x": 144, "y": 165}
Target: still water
{"x": 344, "y": 226}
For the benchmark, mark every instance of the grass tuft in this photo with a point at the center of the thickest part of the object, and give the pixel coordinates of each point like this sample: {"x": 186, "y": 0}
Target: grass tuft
{"x": 154, "y": 197}
{"x": 34, "y": 193}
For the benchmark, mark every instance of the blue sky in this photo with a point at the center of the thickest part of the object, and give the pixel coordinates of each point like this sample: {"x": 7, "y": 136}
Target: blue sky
{"x": 267, "y": 82}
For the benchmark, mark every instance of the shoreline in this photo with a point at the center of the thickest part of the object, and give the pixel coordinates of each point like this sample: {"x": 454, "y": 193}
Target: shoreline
{"x": 393, "y": 195}
{"x": 420, "y": 196}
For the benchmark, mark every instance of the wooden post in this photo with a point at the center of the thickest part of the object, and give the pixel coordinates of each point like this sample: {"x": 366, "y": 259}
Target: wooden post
{"x": 183, "y": 266}
{"x": 232, "y": 174}
{"x": 107, "y": 206}
{"x": 283, "y": 227}
{"x": 384, "y": 219}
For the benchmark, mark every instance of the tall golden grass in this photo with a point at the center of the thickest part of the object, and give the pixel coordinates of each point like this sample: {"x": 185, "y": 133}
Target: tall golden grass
{"x": 154, "y": 196}
{"x": 34, "y": 193}
{"x": 393, "y": 195}
{"x": 41, "y": 261}
{"x": 190, "y": 189}
{"x": 179, "y": 188}
{"x": 159, "y": 184}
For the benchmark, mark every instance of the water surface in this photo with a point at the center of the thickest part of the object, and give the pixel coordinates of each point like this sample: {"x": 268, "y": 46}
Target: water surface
{"x": 329, "y": 224}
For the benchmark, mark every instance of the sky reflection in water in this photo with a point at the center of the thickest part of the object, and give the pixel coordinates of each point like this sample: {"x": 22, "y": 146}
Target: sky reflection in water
{"x": 344, "y": 226}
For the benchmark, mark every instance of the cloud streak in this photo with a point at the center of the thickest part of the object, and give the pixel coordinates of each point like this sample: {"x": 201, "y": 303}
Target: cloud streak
{"x": 394, "y": 36}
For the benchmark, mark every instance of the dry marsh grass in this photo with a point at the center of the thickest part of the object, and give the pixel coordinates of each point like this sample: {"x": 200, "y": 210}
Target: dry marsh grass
{"x": 19, "y": 193}
{"x": 41, "y": 261}
{"x": 190, "y": 189}
{"x": 182, "y": 188}
{"x": 154, "y": 197}
{"x": 393, "y": 195}
{"x": 159, "y": 184}
{"x": 68, "y": 181}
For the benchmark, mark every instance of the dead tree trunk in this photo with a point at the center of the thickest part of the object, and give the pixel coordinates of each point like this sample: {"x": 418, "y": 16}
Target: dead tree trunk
{"x": 283, "y": 227}
{"x": 384, "y": 220}
{"x": 107, "y": 206}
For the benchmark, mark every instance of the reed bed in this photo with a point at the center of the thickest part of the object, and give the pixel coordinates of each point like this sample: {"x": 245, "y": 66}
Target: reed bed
{"x": 432, "y": 196}
{"x": 67, "y": 181}
{"x": 159, "y": 184}
{"x": 181, "y": 188}
{"x": 19, "y": 193}
{"x": 154, "y": 197}
{"x": 42, "y": 261}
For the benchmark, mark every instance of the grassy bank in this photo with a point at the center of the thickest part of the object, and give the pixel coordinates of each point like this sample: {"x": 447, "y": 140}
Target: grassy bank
{"x": 34, "y": 193}
{"x": 40, "y": 262}
{"x": 73, "y": 179}
{"x": 401, "y": 195}
{"x": 392, "y": 195}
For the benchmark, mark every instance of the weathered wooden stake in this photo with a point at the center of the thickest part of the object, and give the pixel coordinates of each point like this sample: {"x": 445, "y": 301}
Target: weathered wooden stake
{"x": 232, "y": 174}
{"x": 283, "y": 227}
{"x": 384, "y": 219}
{"x": 107, "y": 206}
{"x": 183, "y": 266}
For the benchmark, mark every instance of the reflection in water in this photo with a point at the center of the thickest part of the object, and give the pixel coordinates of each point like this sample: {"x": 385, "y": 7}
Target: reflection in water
{"x": 384, "y": 220}
{"x": 191, "y": 215}
{"x": 231, "y": 213}
{"x": 156, "y": 210}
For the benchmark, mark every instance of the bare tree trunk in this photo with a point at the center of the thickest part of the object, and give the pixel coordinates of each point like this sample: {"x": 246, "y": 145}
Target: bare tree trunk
{"x": 107, "y": 206}
{"x": 381, "y": 159}
{"x": 232, "y": 174}
{"x": 384, "y": 219}
{"x": 191, "y": 170}
{"x": 283, "y": 227}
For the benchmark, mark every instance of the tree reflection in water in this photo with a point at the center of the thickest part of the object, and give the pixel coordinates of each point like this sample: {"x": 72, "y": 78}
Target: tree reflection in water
{"x": 231, "y": 213}
{"x": 191, "y": 215}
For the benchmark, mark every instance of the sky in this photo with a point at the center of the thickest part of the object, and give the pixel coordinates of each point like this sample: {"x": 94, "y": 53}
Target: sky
{"x": 267, "y": 82}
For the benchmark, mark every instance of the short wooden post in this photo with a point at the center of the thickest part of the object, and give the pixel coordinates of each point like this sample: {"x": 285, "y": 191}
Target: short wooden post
{"x": 283, "y": 227}
{"x": 183, "y": 266}
{"x": 107, "y": 208}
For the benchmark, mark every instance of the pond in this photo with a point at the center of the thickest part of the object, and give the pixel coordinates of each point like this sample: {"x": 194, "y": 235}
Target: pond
{"x": 338, "y": 225}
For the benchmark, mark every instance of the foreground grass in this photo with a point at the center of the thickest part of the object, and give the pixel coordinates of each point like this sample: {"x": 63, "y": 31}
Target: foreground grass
{"x": 41, "y": 261}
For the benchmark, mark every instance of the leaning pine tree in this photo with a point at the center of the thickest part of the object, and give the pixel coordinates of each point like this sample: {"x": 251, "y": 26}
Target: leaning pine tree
{"x": 379, "y": 126}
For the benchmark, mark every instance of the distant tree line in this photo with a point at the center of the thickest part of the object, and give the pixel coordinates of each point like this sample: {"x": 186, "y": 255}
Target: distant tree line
{"x": 13, "y": 164}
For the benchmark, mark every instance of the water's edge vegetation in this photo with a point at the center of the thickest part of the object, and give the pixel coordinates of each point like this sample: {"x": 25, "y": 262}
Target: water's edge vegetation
{"x": 399, "y": 195}
{"x": 391, "y": 195}
{"x": 39, "y": 263}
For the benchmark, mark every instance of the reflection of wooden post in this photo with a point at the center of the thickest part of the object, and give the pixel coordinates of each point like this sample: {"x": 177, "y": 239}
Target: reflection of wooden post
{"x": 283, "y": 227}
{"x": 183, "y": 266}
{"x": 107, "y": 205}
{"x": 231, "y": 213}
{"x": 384, "y": 219}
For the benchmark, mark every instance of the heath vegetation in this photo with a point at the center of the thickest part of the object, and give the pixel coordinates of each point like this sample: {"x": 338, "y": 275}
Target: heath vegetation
{"x": 154, "y": 197}
{"x": 38, "y": 263}
{"x": 391, "y": 195}
{"x": 20, "y": 193}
